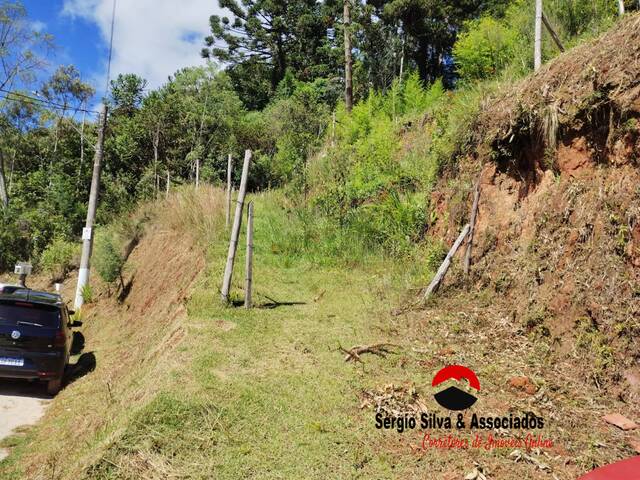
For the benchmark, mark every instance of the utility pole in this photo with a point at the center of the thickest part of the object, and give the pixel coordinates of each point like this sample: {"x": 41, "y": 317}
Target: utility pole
{"x": 537, "y": 48}
{"x": 87, "y": 233}
{"x": 348, "y": 62}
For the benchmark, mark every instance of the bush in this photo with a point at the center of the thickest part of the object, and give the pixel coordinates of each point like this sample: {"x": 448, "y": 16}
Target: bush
{"x": 108, "y": 260}
{"x": 484, "y": 48}
{"x": 59, "y": 258}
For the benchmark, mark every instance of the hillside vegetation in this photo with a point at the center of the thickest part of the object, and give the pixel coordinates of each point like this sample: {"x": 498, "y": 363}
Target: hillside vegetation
{"x": 185, "y": 387}
{"x": 354, "y": 213}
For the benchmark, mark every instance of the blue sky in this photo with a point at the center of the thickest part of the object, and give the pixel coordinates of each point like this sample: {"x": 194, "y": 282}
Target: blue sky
{"x": 153, "y": 38}
{"x": 78, "y": 40}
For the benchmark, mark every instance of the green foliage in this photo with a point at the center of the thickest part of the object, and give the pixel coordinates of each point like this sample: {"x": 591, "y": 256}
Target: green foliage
{"x": 490, "y": 45}
{"x": 265, "y": 39}
{"x": 13, "y": 244}
{"x": 434, "y": 255}
{"x": 485, "y": 48}
{"x": 107, "y": 256}
{"x": 365, "y": 184}
{"x": 59, "y": 257}
{"x": 87, "y": 294}
{"x": 127, "y": 93}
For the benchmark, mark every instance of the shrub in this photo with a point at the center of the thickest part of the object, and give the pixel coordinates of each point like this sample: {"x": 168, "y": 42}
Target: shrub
{"x": 485, "y": 48}
{"x": 87, "y": 294}
{"x": 108, "y": 260}
{"x": 59, "y": 258}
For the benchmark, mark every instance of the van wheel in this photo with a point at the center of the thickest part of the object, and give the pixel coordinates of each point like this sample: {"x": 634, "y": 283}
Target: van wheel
{"x": 54, "y": 386}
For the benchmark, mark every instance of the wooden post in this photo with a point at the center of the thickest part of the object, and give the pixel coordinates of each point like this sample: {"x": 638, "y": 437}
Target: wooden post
{"x": 235, "y": 231}
{"x": 228, "y": 212}
{"x": 168, "y": 184}
{"x": 249, "y": 263}
{"x": 621, "y": 7}
{"x": 552, "y": 32}
{"x": 537, "y": 46}
{"x": 442, "y": 271}
{"x": 472, "y": 223}
{"x": 197, "y": 173}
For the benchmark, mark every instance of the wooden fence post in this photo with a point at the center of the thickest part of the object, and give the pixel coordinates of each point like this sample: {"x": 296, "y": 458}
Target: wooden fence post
{"x": 537, "y": 43}
{"x": 228, "y": 213}
{"x": 168, "y": 184}
{"x": 249, "y": 265}
{"x": 472, "y": 223}
{"x": 235, "y": 231}
{"x": 442, "y": 271}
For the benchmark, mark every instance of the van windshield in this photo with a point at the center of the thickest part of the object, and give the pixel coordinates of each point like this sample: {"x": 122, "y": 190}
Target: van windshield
{"x": 32, "y": 314}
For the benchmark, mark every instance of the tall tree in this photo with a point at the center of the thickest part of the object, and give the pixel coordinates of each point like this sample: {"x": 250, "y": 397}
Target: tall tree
{"x": 68, "y": 92}
{"x": 22, "y": 52}
{"x": 348, "y": 62}
{"x": 431, "y": 27}
{"x": 127, "y": 94}
{"x": 264, "y": 38}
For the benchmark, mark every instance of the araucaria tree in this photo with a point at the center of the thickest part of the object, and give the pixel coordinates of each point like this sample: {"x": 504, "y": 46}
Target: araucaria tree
{"x": 264, "y": 38}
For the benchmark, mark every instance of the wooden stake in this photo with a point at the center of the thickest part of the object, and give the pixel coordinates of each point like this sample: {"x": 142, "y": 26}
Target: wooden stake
{"x": 552, "y": 32}
{"x": 249, "y": 265}
{"x": 442, "y": 271}
{"x": 197, "y": 173}
{"x": 235, "y": 231}
{"x": 621, "y": 7}
{"x": 168, "y": 184}
{"x": 537, "y": 46}
{"x": 472, "y": 223}
{"x": 228, "y": 213}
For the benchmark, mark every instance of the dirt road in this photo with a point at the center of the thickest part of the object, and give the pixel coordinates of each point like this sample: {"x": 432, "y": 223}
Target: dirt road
{"x": 21, "y": 404}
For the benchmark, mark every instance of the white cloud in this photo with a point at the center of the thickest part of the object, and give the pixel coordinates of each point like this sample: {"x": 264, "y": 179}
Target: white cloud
{"x": 152, "y": 38}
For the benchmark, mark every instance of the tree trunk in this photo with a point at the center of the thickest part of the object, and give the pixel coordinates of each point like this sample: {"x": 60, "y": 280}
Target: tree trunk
{"x": 422, "y": 59}
{"x": 13, "y": 163}
{"x": 537, "y": 47}
{"x": 4, "y": 196}
{"x": 348, "y": 62}
{"x": 156, "y": 142}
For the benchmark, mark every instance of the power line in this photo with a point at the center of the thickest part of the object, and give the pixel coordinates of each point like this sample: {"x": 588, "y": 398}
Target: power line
{"x": 24, "y": 98}
{"x": 113, "y": 22}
